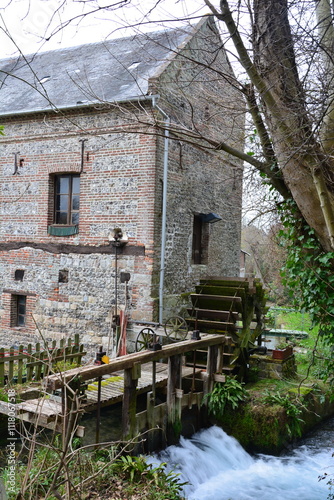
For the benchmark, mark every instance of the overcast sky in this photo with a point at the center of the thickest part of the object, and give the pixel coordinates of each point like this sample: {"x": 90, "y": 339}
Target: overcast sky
{"x": 27, "y": 23}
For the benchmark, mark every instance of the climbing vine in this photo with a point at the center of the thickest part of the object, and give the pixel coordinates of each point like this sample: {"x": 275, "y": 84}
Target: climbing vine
{"x": 308, "y": 272}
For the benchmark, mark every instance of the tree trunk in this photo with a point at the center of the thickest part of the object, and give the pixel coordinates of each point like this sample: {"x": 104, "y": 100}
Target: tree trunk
{"x": 326, "y": 46}
{"x": 306, "y": 170}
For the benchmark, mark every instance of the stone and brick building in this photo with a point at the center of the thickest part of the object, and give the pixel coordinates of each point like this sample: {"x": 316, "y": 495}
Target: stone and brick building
{"x": 86, "y": 151}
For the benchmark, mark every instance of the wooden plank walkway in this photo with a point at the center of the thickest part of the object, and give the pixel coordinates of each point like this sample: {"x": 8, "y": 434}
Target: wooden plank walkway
{"x": 112, "y": 387}
{"x": 45, "y": 411}
{"x": 49, "y": 408}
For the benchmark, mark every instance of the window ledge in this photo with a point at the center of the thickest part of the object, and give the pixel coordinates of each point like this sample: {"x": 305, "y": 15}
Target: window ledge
{"x": 58, "y": 230}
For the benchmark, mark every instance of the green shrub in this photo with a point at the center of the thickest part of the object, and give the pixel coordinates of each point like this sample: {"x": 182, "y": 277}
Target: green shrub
{"x": 136, "y": 470}
{"x": 229, "y": 393}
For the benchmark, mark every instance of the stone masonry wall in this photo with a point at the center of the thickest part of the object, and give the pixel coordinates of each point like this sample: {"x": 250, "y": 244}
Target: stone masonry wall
{"x": 121, "y": 186}
{"x": 200, "y": 180}
{"x": 116, "y": 191}
{"x": 267, "y": 367}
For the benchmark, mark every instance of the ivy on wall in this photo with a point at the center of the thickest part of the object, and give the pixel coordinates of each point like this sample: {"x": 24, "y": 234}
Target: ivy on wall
{"x": 308, "y": 271}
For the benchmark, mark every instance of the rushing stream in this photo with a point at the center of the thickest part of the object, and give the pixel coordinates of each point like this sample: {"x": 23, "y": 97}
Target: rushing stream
{"x": 218, "y": 468}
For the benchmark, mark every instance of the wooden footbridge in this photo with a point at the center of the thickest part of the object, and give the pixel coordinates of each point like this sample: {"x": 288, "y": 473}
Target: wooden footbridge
{"x": 156, "y": 386}
{"x": 164, "y": 381}
{"x": 112, "y": 386}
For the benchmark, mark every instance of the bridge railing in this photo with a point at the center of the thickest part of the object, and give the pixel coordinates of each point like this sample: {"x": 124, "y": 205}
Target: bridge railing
{"x": 170, "y": 415}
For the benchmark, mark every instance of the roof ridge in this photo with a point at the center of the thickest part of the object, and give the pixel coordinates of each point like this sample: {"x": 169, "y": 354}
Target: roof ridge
{"x": 147, "y": 35}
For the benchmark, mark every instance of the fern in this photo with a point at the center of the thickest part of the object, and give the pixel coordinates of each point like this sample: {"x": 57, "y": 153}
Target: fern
{"x": 225, "y": 394}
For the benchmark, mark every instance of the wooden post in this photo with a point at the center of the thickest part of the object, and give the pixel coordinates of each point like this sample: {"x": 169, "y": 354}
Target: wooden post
{"x": 47, "y": 361}
{"x": 150, "y": 410}
{"x": 2, "y": 367}
{"x": 211, "y": 368}
{"x": 70, "y": 392}
{"x": 98, "y": 411}
{"x": 29, "y": 367}
{"x": 220, "y": 358}
{"x": 174, "y": 425}
{"x": 11, "y": 366}
{"x": 150, "y": 403}
{"x": 129, "y": 407}
{"x": 77, "y": 348}
{"x": 20, "y": 365}
{"x": 50, "y": 355}
{"x": 154, "y": 369}
{"x": 38, "y": 366}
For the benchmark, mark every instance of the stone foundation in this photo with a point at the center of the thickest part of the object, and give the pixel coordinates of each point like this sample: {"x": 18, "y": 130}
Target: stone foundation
{"x": 267, "y": 367}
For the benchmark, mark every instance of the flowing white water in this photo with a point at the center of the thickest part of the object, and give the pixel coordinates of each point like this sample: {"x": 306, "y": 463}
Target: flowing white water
{"x": 218, "y": 468}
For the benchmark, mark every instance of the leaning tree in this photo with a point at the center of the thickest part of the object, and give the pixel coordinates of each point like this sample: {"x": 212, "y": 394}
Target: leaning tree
{"x": 288, "y": 83}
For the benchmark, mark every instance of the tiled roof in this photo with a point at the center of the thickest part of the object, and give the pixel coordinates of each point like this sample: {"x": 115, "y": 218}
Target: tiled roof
{"x": 113, "y": 71}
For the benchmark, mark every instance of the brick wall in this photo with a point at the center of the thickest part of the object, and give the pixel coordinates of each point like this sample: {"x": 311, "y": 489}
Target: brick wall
{"x": 114, "y": 182}
{"x": 117, "y": 190}
{"x": 121, "y": 186}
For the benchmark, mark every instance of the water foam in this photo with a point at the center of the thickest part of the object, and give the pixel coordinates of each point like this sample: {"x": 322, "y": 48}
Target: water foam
{"x": 218, "y": 468}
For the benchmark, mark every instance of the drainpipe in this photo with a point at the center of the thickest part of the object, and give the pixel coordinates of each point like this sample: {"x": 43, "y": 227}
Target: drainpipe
{"x": 164, "y": 209}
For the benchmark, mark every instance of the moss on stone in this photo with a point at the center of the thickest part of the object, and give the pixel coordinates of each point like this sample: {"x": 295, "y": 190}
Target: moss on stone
{"x": 258, "y": 428}
{"x": 265, "y": 428}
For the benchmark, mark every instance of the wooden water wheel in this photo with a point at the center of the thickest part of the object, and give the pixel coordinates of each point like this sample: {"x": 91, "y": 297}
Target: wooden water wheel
{"x": 231, "y": 306}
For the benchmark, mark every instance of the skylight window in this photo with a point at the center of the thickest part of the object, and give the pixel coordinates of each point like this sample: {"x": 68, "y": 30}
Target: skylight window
{"x": 45, "y": 79}
{"x": 134, "y": 65}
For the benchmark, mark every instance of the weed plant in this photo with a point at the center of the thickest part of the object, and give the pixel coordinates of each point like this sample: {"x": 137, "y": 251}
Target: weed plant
{"x": 293, "y": 411}
{"x": 103, "y": 473}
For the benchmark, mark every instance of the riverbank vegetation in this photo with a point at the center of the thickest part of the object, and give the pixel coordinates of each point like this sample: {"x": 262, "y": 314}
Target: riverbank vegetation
{"x": 83, "y": 473}
{"x": 271, "y": 414}
{"x": 276, "y": 413}
{"x": 263, "y": 415}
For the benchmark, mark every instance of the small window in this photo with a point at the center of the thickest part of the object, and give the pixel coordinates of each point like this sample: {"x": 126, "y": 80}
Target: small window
{"x": 200, "y": 241}
{"x": 18, "y": 275}
{"x": 18, "y": 310}
{"x": 67, "y": 199}
{"x": 63, "y": 276}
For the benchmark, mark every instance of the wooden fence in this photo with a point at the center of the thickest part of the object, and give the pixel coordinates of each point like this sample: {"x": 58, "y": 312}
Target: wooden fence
{"x": 35, "y": 362}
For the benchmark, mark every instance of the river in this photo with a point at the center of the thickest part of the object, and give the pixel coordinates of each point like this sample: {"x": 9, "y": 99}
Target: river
{"x": 218, "y": 468}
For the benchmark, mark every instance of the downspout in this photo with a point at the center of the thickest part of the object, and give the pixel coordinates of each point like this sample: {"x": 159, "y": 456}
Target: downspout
{"x": 164, "y": 209}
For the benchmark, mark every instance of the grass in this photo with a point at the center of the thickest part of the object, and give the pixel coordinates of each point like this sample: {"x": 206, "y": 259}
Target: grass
{"x": 311, "y": 353}
{"x": 289, "y": 319}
